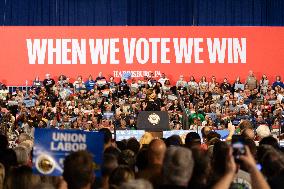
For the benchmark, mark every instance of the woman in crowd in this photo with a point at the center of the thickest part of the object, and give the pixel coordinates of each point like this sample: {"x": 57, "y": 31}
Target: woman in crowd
{"x": 192, "y": 84}
{"x": 203, "y": 85}
{"x": 263, "y": 84}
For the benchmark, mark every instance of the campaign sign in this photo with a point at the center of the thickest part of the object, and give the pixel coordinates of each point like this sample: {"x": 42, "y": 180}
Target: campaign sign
{"x": 51, "y": 146}
{"x": 29, "y": 103}
{"x": 127, "y": 134}
{"x": 166, "y": 134}
{"x": 108, "y": 115}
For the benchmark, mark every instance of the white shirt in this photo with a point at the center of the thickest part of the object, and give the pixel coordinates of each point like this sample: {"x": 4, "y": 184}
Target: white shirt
{"x": 163, "y": 80}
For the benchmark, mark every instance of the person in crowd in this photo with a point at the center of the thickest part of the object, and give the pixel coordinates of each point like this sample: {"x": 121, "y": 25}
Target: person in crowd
{"x": 37, "y": 84}
{"x": 90, "y": 83}
{"x": 120, "y": 175}
{"x": 236, "y": 84}
{"x": 79, "y": 84}
{"x": 225, "y": 86}
{"x": 181, "y": 83}
{"x": 255, "y": 114}
{"x": 163, "y": 79}
{"x": 263, "y": 84}
{"x": 110, "y": 163}
{"x": 21, "y": 177}
{"x": 137, "y": 184}
{"x": 107, "y": 137}
{"x": 203, "y": 85}
{"x": 61, "y": 80}
{"x": 212, "y": 84}
{"x": 155, "y": 156}
{"x": 177, "y": 167}
{"x": 48, "y": 83}
{"x": 22, "y": 154}
{"x": 79, "y": 170}
{"x": 277, "y": 82}
{"x": 251, "y": 81}
{"x": 192, "y": 84}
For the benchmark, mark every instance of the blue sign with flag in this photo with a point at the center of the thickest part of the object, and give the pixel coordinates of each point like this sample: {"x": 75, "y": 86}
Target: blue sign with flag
{"x": 51, "y": 146}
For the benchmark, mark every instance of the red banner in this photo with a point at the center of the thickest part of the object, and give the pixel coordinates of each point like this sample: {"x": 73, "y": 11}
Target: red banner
{"x": 190, "y": 51}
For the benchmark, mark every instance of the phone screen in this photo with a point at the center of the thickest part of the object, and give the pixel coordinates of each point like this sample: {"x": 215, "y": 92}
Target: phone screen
{"x": 238, "y": 147}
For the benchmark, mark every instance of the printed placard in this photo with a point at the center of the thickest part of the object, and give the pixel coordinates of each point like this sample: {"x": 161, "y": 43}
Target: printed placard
{"x": 51, "y": 146}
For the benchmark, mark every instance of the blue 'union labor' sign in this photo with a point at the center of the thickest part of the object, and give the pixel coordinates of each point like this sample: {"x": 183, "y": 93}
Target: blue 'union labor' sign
{"x": 51, "y": 146}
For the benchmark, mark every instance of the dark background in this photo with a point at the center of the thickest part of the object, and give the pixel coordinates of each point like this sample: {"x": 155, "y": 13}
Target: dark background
{"x": 142, "y": 12}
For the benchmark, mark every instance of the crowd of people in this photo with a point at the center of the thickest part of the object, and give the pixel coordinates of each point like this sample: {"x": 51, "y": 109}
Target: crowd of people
{"x": 252, "y": 109}
{"x": 197, "y": 163}
{"x": 104, "y": 103}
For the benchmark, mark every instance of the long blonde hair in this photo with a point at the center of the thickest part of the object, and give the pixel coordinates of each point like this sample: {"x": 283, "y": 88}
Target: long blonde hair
{"x": 146, "y": 139}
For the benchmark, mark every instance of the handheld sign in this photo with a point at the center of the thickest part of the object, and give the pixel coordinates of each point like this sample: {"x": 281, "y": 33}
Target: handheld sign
{"x": 51, "y": 146}
{"x": 29, "y": 103}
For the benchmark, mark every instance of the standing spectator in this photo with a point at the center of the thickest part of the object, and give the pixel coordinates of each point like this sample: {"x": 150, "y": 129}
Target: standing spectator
{"x": 37, "y": 84}
{"x": 181, "y": 83}
{"x": 163, "y": 79}
{"x": 48, "y": 83}
{"x": 79, "y": 84}
{"x": 263, "y": 84}
{"x": 251, "y": 81}
{"x": 212, "y": 83}
{"x": 61, "y": 80}
{"x": 236, "y": 83}
{"x": 192, "y": 84}
{"x": 203, "y": 85}
{"x": 90, "y": 83}
{"x": 225, "y": 86}
{"x": 100, "y": 77}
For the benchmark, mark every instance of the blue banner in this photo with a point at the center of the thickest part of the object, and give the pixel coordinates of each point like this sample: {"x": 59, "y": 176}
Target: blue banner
{"x": 51, "y": 146}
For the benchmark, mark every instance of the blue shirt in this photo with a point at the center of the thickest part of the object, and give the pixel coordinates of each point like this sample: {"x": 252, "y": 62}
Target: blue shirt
{"x": 90, "y": 84}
